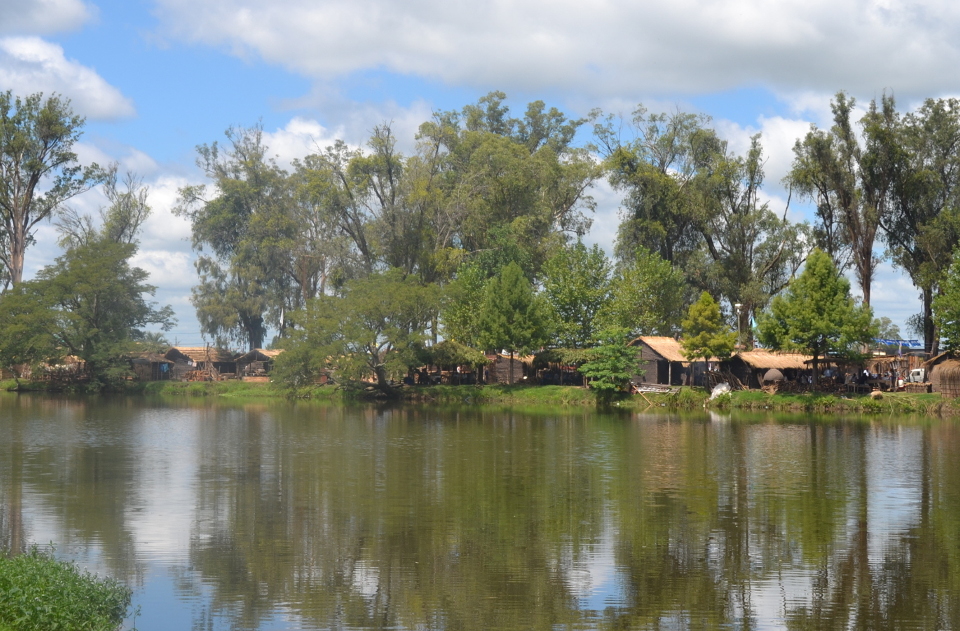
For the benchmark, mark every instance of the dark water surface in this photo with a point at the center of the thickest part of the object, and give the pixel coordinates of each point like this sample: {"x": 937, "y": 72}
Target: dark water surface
{"x": 304, "y": 517}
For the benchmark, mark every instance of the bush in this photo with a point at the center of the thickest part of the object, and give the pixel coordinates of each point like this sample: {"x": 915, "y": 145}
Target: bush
{"x": 38, "y": 592}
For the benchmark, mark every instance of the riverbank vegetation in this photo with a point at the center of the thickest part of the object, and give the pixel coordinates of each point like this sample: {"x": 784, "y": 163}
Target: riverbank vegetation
{"x": 38, "y": 591}
{"x": 358, "y": 260}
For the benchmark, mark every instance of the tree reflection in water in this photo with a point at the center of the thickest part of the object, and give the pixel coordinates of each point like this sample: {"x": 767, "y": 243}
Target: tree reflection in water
{"x": 479, "y": 518}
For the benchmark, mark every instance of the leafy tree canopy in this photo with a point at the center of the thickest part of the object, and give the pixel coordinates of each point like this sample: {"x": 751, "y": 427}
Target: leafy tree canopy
{"x": 647, "y": 297}
{"x": 376, "y": 329}
{"x": 946, "y": 306}
{"x": 705, "y": 334}
{"x": 817, "y": 315}
{"x": 90, "y": 303}
{"x": 612, "y": 363}
{"x": 576, "y": 286}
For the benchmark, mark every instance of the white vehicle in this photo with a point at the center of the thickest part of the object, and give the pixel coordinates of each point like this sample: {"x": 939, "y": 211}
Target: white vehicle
{"x": 918, "y": 375}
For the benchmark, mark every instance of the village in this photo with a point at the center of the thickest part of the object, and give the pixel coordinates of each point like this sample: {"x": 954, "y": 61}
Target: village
{"x": 661, "y": 367}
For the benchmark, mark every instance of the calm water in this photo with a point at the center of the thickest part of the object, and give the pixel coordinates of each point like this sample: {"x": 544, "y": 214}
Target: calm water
{"x": 283, "y": 517}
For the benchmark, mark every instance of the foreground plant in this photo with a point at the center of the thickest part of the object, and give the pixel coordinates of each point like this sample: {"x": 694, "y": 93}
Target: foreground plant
{"x": 39, "y": 592}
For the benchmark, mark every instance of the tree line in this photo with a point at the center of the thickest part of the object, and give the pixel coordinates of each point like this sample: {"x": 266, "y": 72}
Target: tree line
{"x": 359, "y": 258}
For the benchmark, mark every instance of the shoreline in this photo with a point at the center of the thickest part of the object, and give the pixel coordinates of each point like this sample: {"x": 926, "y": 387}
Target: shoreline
{"x": 687, "y": 398}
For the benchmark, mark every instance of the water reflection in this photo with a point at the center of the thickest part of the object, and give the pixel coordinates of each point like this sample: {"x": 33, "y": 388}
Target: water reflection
{"x": 271, "y": 517}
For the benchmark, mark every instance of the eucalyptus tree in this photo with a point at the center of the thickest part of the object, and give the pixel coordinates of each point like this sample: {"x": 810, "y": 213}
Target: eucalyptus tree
{"x": 923, "y": 225}
{"x": 749, "y": 253}
{"x": 120, "y": 220}
{"x": 850, "y": 184}
{"x": 241, "y": 227}
{"x": 39, "y": 171}
{"x": 659, "y": 169}
{"x": 507, "y": 188}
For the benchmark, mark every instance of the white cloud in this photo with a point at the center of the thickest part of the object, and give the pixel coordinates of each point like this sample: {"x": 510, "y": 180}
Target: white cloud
{"x": 30, "y": 64}
{"x": 22, "y": 17}
{"x": 604, "y": 48}
{"x": 300, "y": 138}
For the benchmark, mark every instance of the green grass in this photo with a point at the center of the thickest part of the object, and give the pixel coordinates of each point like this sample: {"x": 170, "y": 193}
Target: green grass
{"x": 38, "y": 592}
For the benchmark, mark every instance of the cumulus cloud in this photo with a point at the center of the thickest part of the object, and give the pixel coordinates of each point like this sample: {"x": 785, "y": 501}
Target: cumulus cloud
{"x": 610, "y": 47}
{"x": 21, "y": 17}
{"x": 30, "y": 64}
{"x": 298, "y": 139}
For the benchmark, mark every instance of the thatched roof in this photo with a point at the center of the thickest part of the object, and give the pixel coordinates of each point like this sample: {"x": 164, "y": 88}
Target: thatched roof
{"x": 147, "y": 357}
{"x": 666, "y": 347}
{"x": 949, "y": 368}
{"x": 198, "y": 354}
{"x": 764, "y": 360}
{"x": 258, "y": 355}
{"x": 938, "y": 359}
{"x": 450, "y": 353}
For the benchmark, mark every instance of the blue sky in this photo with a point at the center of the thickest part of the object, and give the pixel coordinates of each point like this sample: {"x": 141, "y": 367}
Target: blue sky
{"x": 156, "y": 78}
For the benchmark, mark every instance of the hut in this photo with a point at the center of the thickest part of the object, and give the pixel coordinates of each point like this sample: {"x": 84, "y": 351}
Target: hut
{"x": 750, "y": 367}
{"x": 453, "y": 363}
{"x": 256, "y": 364}
{"x": 943, "y": 372}
{"x": 216, "y": 363}
{"x": 661, "y": 361}
{"x": 498, "y": 368}
{"x": 151, "y": 367}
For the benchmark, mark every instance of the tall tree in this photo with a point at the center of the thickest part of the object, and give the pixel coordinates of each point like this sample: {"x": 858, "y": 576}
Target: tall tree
{"x": 830, "y": 167}
{"x": 659, "y": 170}
{"x": 817, "y": 315}
{"x": 946, "y": 306}
{"x": 120, "y": 220}
{"x": 505, "y": 187}
{"x": 90, "y": 303}
{"x": 242, "y": 232}
{"x": 923, "y": 225}
{"x": 39, "y": 171}
{"x": 750, "y": 254}
{"x": 512, "y": 316}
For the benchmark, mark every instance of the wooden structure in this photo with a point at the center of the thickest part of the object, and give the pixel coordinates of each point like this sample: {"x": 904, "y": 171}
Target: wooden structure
{"x": 498, "y": 368}
{"x": 151, "y": 367}
{"x": 749, "y": 367}
{"x": 661, "y": 362}
{"x": 257, "y": 363}
{"x": 213, "y": 364}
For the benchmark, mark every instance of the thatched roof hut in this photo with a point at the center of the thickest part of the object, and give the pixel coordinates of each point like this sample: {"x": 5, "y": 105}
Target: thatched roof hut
{"x": 661, "y": 361}
{"x": 943, "y": 373}
{"x": 257, "y": 362}
{"x": 751, "y": 366}
{"x": 203, "y": 358}
{"x": 151, "y": 366}
{"x": 945, "y": 378}
{"x": 499, "y": 368}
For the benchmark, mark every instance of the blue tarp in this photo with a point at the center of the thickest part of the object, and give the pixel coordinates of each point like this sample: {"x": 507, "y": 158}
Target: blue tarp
{"x": 914, "y": 345}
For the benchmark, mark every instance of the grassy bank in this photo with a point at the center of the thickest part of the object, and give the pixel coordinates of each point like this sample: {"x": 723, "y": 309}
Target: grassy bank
{"x": 529, "y": 395}
{"x": 40, "y": 592}
{"x": 889, "y": 403}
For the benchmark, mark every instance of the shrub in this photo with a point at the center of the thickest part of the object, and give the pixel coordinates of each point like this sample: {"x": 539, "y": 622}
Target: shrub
{"x": 39, "y": 592}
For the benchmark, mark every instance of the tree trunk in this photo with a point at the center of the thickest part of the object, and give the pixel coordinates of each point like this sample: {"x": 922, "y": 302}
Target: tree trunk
{"x": 510, "y": 379}
{"x": 928, "y": 332}
{"x": 816, "y": 370}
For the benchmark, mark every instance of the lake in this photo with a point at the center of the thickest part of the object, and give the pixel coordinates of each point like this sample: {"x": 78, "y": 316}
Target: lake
{"x": 283, "y": 516}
